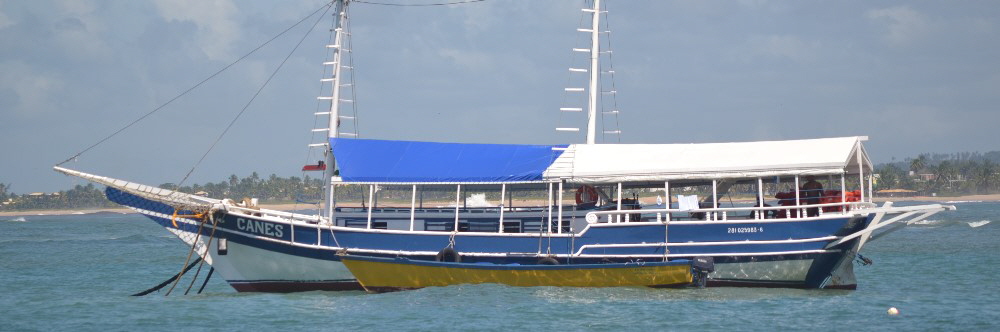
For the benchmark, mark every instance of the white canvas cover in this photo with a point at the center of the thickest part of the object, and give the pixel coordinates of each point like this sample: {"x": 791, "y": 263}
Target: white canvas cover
{"x": 687, "y": 202}
{"x": 609, "y": 163}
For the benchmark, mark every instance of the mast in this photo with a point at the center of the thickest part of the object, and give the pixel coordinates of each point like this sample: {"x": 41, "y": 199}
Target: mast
{"x": 594, "y": 71}
{"x": 333, "y": 126}
{"x": 337, "y": 65}
{"x": 593, "y": 85}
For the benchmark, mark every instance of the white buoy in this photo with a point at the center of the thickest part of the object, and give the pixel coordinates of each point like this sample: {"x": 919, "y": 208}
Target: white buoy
{"x": 893, "y": 311}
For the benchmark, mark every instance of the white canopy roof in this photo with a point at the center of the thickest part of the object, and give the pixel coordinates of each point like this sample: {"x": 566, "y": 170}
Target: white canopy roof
{"x": 597, "y": 163}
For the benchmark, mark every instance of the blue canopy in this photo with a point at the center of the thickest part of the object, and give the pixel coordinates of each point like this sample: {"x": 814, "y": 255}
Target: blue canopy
{"x": 367, "y": 160}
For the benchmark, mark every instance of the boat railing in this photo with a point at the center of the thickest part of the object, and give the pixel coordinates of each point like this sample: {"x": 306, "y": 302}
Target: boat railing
{"x": 290, "y": 216}
{"x": 315, "y": 218}
{"x": 727, "y": 213}
{"x": 449, "y": 209}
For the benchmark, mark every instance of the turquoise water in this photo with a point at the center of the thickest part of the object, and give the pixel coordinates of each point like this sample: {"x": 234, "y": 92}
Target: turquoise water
{"x": 76, "y": 272}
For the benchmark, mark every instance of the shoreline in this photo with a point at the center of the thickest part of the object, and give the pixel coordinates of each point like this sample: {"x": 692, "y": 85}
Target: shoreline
{"x": 292, "y": 206}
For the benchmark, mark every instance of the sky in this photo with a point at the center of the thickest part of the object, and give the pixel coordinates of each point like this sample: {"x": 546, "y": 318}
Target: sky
{"x": 913, "y": 76}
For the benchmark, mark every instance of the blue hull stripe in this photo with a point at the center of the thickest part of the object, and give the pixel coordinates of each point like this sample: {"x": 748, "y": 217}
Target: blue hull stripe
{"x": 251, "y": 232}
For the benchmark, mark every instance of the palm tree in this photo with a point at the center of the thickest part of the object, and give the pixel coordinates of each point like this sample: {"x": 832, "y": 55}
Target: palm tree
{"x": 3, "y": 191}
{"x": 985, "y": 176}
{"x": 918, "y": 164}
{"x": 943, "y": 173}
{"x": 889, "y": 176}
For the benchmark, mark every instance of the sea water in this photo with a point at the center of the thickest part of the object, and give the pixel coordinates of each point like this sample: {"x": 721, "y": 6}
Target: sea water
{"x": 76, "y": 272}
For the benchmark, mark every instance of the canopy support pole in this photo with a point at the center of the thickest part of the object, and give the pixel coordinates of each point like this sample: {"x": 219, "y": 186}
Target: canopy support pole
{"x": 798, "y": 211}
{"x": 666, "y": 192}
{"x": 330, "y": 200}
{"x": 560, "y": 216}
{"x": 371, "y": 201}
{"x": 458, "y": 199}
{"x": 413, "y": 206}
{"x": 550, "y": 210}
{"x": 760, "y": 197}
{"x": 870, "y": 195}
{"x": 861, "y": 171}
{"x": 715, "y": 199}
{"x": 843, "y": 191}
{"x": 618, "y": 217}
{"x": 503, "y": 194}
{"x": 331, "y": 213}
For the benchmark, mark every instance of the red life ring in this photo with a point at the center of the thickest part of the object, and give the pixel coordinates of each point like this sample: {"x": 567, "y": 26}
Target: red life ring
{"x": 586, "y": 194}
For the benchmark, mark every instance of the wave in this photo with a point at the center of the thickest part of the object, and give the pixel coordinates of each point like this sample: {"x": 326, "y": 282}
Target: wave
{"x": 17, "y": 219}
{"x": 127, "y": 239}
{"x": 938, "y": 223}
{"x": 980, "y": 223}
{"x": 928, "y": 222}
{"x": 956, "y": 202}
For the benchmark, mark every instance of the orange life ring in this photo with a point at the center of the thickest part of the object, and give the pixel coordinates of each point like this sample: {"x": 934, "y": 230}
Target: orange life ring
{"x": 586, "y": 194}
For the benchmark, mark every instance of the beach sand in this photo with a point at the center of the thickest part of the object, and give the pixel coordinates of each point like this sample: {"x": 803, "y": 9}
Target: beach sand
{"x": 289, "y": 207}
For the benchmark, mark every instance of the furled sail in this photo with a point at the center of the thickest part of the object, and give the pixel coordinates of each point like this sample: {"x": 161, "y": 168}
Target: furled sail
{"x": 173, "y": 198}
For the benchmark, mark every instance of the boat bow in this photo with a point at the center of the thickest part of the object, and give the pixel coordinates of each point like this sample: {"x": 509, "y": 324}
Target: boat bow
{"x": 173, "y": 198}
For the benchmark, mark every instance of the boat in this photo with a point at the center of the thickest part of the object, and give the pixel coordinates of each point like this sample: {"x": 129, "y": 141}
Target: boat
{"x": 379, "y": 274}
{"x": 807, "y": 206}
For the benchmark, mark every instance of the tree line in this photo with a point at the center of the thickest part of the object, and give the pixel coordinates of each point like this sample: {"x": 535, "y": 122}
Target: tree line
{"x": 273, "y": 189}
{"x": 81, "y": 196}
{"x": 944, "y": 174}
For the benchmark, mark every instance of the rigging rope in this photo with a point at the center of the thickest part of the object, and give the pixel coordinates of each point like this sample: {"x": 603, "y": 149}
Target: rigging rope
{"x": 245, "y": 107}
{"x": 194, "y": 244}
{"x": 354, "y": 90}
{"x": 143, "y": 117}
{"x": 334, "y": 236}
{"x": 611, "y": 71}
{"x": 168, "y": 281}
{"x": 312, "y": 135}
{"x": 417, "y": 5}
{"x": 207, "y": 278}
{"x": 208, "y": 247}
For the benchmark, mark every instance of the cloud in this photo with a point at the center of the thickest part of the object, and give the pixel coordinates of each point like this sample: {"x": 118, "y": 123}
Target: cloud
{"x": 982, "y": 25}
{"x": 480, "y": 17}
{"x": 217, "y": 28}
{"x": 469, "y": 60}
{"x": 79, "y": 28}
{"x": 5, "y": 21}
{"x": 782, "y": 46}
{"x": 33, "y": 90}
{"x": 916, "y": 121}
{"x": 905, "y": 24}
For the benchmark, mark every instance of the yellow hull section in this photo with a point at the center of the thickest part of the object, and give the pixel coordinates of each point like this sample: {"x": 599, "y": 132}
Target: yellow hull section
{"x": 382, "y": 275}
